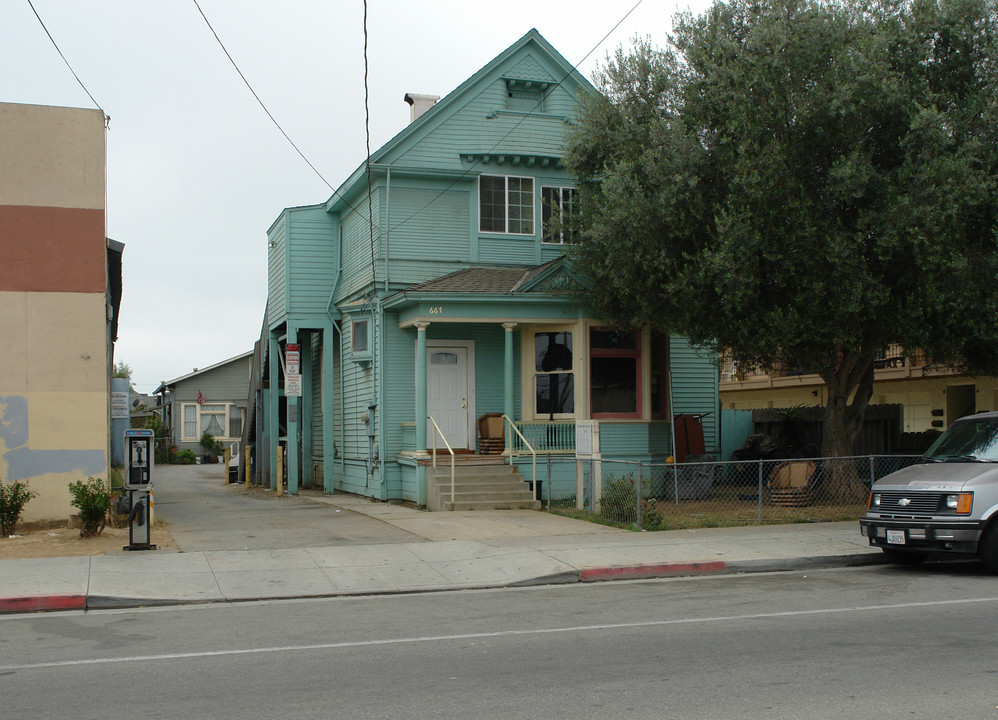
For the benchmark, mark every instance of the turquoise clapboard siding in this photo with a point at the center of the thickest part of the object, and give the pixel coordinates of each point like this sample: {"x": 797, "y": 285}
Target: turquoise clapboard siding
{"x": 695, "y": 387}
{"x": 277, "y": 280}
{"x": 312, "y": 259}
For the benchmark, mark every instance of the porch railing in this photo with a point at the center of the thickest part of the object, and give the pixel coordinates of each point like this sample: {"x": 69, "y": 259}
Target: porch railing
{"x": 438, "y": 431}
{"x": 533, "y": 462}
{"x": 547, "y": 437}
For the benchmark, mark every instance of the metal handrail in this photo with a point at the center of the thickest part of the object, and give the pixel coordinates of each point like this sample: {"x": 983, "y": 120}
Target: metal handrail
{"x": 529, "y": 447}
{"x": 449, "y": 449}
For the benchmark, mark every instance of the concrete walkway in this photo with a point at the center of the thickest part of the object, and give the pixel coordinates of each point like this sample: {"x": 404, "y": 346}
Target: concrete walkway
{"x": 460, "y": 550}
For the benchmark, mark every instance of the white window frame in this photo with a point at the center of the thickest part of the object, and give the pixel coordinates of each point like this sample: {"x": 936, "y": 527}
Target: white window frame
{"x": 561, "y": 212}
{"x": 199, "y": 425}
{"x": 534, "y": 373}
{"x": 506, "y": 219}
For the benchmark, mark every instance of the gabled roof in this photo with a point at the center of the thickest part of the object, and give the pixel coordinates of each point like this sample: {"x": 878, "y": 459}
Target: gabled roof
{"x": 523, "y": 71}
{"x": 200, "y": 371}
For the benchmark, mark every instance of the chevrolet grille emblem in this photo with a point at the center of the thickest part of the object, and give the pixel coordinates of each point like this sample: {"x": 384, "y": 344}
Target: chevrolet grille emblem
{"x": 904, "y": 502}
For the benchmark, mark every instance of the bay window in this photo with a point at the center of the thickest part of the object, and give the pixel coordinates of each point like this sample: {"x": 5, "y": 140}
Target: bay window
{"x": 615, "y": 373}
{"x": 554, "y": 378}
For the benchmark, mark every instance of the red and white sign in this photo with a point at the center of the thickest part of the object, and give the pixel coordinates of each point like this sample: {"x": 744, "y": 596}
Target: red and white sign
{"x": 292, "y": 370}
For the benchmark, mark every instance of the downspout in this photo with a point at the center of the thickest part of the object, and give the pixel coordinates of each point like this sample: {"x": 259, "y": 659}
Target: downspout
{"x": 388, "y": 223}
{"x": 336, "y": 327}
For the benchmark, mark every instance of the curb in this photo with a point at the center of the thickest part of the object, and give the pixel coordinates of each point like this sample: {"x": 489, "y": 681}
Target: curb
{"x": 42, "y": 603}
{"x": 633, "y": 572}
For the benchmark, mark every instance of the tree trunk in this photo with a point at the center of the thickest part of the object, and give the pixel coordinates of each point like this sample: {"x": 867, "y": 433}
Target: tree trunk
{"x": 843, "y": 422}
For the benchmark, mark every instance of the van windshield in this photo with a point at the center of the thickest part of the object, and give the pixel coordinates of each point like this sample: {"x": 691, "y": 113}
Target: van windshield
{"x": 966, "y": 441}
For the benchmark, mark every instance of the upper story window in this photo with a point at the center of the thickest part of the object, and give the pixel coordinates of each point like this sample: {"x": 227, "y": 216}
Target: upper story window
{"x": 506, "y": 204}
{"x": 557, "y": 206}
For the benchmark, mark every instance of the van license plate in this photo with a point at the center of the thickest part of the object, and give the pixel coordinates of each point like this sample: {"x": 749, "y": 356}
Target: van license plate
{"x": 895, "y": 537}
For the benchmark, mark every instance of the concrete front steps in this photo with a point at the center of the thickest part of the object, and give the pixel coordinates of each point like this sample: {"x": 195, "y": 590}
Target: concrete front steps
{"x": 478, "y": 487}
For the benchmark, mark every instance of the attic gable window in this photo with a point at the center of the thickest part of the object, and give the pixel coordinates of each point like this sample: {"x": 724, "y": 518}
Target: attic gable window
{"x": 506, "y": 204}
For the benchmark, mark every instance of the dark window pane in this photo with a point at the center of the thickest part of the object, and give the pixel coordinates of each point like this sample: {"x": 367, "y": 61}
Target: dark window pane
{"x": 552, "y": 351}
{"x": 492, "y": 204}
{"x": 608, "y": 340}
{"x": 614, "y": 385}
{"x": 555, "y": 393}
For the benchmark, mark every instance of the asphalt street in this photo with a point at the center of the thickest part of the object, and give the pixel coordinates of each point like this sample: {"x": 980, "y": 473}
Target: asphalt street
{"x": 873, "y": 642}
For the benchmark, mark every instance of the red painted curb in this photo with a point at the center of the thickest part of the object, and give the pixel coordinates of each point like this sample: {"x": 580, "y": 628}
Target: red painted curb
{"x": 650, "y": 571}
{"x": 35, "y": 603}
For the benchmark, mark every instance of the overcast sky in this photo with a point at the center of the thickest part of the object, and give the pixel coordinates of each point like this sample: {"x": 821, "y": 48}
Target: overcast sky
{"x": 196, "y": 171}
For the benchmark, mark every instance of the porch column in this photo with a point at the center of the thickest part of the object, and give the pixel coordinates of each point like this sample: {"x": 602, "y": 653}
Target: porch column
{"x": 507, "y": 386}
{"x": 273, "y": 405}
{"x": 294, "y": 441}
{"x": 421, "y": 386}
{"x": 307, "y": 410}
{"x": 328, "y": 410}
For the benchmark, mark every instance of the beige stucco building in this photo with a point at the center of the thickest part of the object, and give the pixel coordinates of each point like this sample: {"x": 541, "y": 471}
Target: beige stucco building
{"x": 59, "y": 291}
{"x": 932, "y": 396}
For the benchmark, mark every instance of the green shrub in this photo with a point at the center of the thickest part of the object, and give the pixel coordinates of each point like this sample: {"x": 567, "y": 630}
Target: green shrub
{"x": 211, "y": 445}
{"x": 651, "y": 517}
{"x": 13, "y": 497}
{"x": 183, "y": 457}
{"x": 93, "y": 499}
{"x": 617, "y": 503}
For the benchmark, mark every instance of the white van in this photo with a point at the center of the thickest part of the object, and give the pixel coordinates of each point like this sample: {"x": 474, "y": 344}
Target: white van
{"x": 948, "y": 503}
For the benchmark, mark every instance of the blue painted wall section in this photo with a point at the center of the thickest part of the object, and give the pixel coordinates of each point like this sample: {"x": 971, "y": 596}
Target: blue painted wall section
{"x": 24, "y": 463}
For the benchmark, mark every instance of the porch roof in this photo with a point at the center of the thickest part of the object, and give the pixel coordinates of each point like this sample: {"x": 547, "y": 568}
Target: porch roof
{"x": 490, "y": 294}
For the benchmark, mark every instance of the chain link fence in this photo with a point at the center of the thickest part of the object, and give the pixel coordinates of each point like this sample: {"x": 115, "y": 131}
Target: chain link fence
{"x": 667, "y": 496}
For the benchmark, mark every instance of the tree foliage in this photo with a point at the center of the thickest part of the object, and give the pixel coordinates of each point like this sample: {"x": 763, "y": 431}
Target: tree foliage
{"x": 802, "y": 183}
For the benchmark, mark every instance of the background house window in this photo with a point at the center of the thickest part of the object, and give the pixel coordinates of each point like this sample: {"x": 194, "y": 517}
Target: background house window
{"x": 190, "y": 429}
{"x": 235, "y": 421}
{"x": 220, "y": 420}
{"x": 554, "y": 379}
{"x": 615, "y": 372}
{"x": 557, "y": 206}
{"x": 212, "y": 420}
{"x": 506, "y": 204}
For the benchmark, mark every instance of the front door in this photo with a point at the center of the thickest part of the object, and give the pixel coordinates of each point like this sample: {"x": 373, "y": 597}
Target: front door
{"x": 447, "y": 398}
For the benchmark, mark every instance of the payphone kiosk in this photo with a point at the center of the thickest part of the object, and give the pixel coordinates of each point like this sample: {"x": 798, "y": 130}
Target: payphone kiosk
{"x": 140, "y": 453}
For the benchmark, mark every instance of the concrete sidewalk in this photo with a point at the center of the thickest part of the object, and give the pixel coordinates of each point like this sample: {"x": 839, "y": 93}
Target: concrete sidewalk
{"x": 461, "y": 551}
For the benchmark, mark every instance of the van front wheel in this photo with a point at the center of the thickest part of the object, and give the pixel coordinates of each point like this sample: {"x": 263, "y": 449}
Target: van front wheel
{"x": 988, "y": 549}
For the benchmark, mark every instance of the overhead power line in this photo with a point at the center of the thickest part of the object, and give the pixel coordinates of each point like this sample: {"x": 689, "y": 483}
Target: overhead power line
{"x": 460, "y": 178}
{"x": 41, "y": 22}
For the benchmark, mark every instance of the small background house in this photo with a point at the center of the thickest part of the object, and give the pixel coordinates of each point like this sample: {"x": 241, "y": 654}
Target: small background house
{"x": 212, "y": 400}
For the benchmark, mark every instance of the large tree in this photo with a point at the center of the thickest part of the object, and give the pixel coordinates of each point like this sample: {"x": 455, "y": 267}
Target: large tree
{"x": 802, "y": 183}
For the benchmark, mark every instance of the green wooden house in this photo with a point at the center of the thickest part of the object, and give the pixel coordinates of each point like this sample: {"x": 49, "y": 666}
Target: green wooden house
{"x": 424, "y": 305}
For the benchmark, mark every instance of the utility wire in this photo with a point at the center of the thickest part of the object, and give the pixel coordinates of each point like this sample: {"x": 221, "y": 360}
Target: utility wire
{"x": 367, "y": 139}
{"x": 250, "y": 88}
{"x": 460, "y": 178}
{"x": 107, "y": 118}
{"x": 523, "y": 119}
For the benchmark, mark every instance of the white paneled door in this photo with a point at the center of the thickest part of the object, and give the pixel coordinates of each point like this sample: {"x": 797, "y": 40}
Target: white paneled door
{"x": 447, "y": 397}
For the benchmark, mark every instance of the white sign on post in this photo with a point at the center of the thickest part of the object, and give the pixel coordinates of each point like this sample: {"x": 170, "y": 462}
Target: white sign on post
{"x": 119, "y": 406}
{"x": 292, "y": 370}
